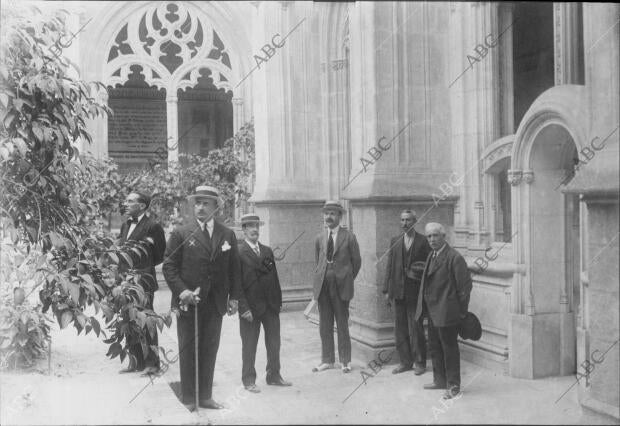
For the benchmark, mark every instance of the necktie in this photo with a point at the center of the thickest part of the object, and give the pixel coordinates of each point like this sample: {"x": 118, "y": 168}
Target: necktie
{"x": 257, "y": 250}
{"x": 207, "y": 235}
{"x": 433, "y": 257}
{"x": 330, "y": 247}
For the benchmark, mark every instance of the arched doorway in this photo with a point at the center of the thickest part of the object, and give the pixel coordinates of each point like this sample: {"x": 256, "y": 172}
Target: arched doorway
{"x": 547, "y": 237}
{"x": 173, "y": 43}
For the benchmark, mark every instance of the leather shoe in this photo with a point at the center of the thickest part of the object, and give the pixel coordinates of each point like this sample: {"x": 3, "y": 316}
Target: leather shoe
{"x": 210, "y": 403}
{"x": 252, "y": 388}
{"x": 401, "y": 369}
{"x": 434, "y": 386}
{"x": 323, "y": 366}
{"x": 419, "y": 369}
{"x": 128, "y": 370}
{"x": 453, "y": 392}
{"x": 278, "y": 381}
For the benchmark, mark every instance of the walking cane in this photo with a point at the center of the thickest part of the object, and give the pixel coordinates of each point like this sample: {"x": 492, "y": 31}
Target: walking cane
{"x": 197, "y": 382}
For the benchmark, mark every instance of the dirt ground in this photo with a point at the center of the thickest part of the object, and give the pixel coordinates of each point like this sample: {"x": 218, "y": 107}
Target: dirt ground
{"x": 84, "y": 387}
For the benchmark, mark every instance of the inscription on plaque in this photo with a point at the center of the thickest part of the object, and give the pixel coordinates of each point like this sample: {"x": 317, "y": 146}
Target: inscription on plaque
{"x": 135, "y": 131}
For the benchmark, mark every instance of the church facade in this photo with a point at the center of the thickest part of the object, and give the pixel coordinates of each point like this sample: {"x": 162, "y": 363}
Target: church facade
{"x": 498, "y": 120}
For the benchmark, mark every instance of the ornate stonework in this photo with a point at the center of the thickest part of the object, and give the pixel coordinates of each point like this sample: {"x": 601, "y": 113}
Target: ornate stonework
{"x": 171, "y": 45}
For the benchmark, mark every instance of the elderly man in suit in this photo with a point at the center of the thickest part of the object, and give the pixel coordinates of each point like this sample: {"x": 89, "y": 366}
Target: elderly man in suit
{"x": 201, "y": 268}
{"x": 444, "y": 294}
{"x": 141, "y": 227}
{"x": 260, "y": 303}
{"x": 406, "y": 258}
{"x": 338, "y": 261}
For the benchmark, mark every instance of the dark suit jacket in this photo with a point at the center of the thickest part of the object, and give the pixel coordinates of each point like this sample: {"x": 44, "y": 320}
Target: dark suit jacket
{"x": 347, "y": 262}
{"x": 394, "y": 283}
{"x": 446, "y": 288}
{"x": 191, "y": 263}
{"x": 259, "y": 281}
{"x": 147, "y": 227}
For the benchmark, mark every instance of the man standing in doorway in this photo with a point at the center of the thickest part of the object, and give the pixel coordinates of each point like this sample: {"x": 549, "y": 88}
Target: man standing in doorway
{"x": 140, "y": 227}
{"x": 337, "y": 257}
{"x": 444, "y": 294}
{"x": 202, "y": 255}
{"x": 260, "y": 304}
{"x": 406, "y": 259}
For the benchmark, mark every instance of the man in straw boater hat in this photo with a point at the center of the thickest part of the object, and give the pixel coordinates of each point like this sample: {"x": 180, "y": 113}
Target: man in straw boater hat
{"x": 201, "y": 268}
{"x": 338, "y": 261}
{"x": 260, "y": 304}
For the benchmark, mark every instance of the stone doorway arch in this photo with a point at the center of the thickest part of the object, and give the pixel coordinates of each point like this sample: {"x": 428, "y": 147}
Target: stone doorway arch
{"x": 207, "y": 36}
{"x": 545, "y": 303}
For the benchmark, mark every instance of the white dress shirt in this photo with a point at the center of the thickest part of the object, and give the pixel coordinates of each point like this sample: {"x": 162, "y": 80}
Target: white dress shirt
{"x": 209, "y": 226}
{"x": 409, "y": 241}
{"x": 254, "y": 246}
{"x": 133, "y": 225}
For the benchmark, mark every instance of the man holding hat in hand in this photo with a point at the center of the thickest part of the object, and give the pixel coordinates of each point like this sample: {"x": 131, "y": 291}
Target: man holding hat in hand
{"x": 259, "y": 304}
{"x": 338, "y": 261}
{"x": 202, "y": 258}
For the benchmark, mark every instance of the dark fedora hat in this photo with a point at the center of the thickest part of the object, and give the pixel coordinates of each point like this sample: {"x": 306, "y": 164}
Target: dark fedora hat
{"x": 333, "y": 205}
{"x": 251, "y": 218}
{"x": 470, "y": 327}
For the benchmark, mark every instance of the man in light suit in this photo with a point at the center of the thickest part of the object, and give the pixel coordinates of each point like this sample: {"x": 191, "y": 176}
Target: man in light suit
{"x": 406, "y": 259}
{"x": 260, "y": 303}
{"x": 202, "y": 254}
{"x": 338, "y": 261}
{"x": 139, "y": 227}
{"x": 444, "y": 294}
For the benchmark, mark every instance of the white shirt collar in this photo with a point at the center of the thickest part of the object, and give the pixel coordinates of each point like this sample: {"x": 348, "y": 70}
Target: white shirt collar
{"x": 334, "y": 232}
{"x": 139, "y": 219}
{"x": 440, "y": 250}
{"x": 251, "y": 244}
{"x": 209, "y": 225}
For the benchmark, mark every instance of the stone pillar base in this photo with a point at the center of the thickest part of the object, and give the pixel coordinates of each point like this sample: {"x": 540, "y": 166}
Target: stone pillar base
{"x": 542, "y": 345}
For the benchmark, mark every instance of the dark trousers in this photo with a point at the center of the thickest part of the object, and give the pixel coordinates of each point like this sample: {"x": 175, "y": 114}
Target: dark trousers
{"x": 409, "y": 333}
{"x": 330, "y": 307}
{"x": 444, "y": 347}
{"x": 152, "y": 358}
{"x": 209, "y": 329}
{"x": 250, "y": 332}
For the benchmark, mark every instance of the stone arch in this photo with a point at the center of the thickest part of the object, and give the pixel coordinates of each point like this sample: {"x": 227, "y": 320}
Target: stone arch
{"x": 218, "y": 17}
{"x": 554, "y": 126}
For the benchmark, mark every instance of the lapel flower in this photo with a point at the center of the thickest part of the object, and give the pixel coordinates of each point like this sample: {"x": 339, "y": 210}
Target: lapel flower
{"x": 225, "y": 246}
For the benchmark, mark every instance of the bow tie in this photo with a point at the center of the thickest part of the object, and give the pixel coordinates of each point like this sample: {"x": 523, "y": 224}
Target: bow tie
{"x": 132, "y": 220}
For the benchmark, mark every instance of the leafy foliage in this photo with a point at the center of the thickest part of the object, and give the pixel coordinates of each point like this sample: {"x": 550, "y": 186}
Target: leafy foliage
{"x": 46, "y": 113}
{"x": 24, "y": 331}
{"x": 229, "y": 168}
{"x": 50, "y": 195}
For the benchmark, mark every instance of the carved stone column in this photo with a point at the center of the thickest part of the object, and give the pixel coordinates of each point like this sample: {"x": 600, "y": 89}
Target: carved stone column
{"x": 568, "y": 43}
{"x": 172, "y": 120}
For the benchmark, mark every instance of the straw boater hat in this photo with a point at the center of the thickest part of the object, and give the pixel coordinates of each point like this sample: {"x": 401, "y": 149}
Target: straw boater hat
{"x": 206, "y": 191}
{"x": 251, "y": 218}
{"x": 333, "y": 205}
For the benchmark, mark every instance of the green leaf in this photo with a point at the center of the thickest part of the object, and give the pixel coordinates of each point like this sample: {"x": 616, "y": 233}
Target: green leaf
{"x": 96, "y": 326}
{"x": 115, "y": 350}
{"x": 74, "y": 291}
{"x": 21, "y": 145}
{"x": 66, "y": 318}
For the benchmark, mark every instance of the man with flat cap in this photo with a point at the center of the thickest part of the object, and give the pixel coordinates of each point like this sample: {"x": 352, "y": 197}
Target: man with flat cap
{"x": 407, "y": 256}
{"x": 337, "y": 257}
{"x": 260, "y": 303}
{"x": 201, "y": 268}
{"x": 141, "y": 227}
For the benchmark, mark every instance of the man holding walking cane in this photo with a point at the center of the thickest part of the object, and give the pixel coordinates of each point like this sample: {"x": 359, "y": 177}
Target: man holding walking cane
{"x": 201, "y": 268}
